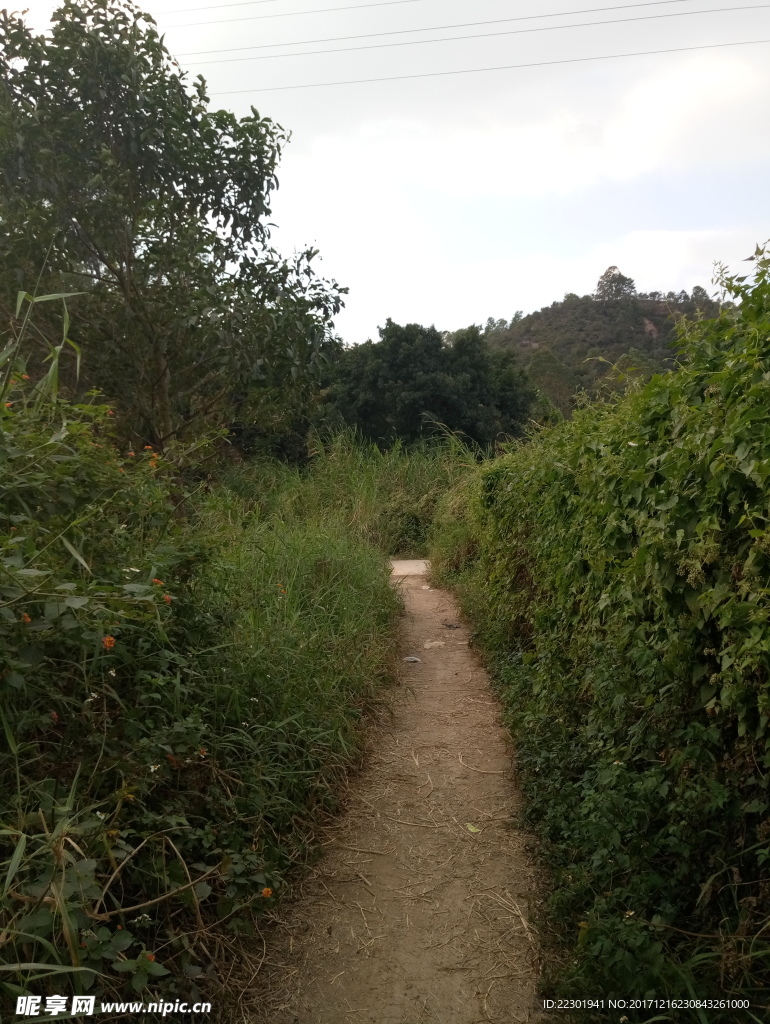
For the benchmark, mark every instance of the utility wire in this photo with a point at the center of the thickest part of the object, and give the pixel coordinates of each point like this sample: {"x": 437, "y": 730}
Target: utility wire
{"x": 478, "y": 35}
{"x": 436, "y": 28}
{"x": 326, "y": 10}
{"x": 500, "y": 67}
{"x": 296, "y": 14}
{"x": 292, "y": 14}
{"x": 208, "y": 7}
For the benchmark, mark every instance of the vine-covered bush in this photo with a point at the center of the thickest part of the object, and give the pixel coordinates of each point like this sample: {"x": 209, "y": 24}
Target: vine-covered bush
{"x": 623, "y": 588}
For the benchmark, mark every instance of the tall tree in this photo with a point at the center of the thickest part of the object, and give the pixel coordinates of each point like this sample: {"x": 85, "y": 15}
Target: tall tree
{"x": 122, "y": 184}
{"x": 614, "y": 285}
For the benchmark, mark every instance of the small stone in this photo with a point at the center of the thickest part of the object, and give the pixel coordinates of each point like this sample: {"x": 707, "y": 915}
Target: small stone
{"x": 412, "y": 659}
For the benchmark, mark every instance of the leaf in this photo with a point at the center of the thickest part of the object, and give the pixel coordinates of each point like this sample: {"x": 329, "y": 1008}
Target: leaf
{"x": 156, "y": 970}
{"x": 139, "y": 981}
{"x": 75, "y": 553}
{"x": 52, "y": 297}
{"x": 124, "y": 966}
{"x": 13, "y": 746}
{"x": 471, "y": 828}
{"x": 16, "y": 859}
{"x": 202, "y": 890}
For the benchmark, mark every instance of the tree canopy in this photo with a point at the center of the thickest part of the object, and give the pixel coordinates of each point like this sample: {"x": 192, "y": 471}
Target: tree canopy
{"x": 121, "y": 184}
{"x": 414, "y": 377}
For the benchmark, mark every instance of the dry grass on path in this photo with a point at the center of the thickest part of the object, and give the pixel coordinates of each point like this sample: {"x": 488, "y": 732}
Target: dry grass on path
{"x": 418, "y": 911}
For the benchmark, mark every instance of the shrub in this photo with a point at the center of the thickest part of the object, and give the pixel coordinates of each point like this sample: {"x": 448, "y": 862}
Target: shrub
{"x": 179, "y": 701}
{"x": 621, "y": 590}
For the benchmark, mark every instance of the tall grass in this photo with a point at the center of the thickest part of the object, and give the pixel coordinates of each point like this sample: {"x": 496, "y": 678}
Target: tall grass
{"x": 181, "y": 699}
{"x": 386, "y": 498}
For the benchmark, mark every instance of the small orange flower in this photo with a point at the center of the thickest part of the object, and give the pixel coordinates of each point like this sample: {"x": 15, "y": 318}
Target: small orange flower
{"x": 153, "y": 464}
{"x": 54, "y": 717}
{"x": 25, "y": 376}
{"x": 131, "y": 454}
{"x": 110, "y": 412}
{"x": 148, "y": 448}
{"x": 25, "y": 617}
{"x": 108, "y": 642}
{"x": 120, "y": 927}
{"x": 121, "y": 470}
{"x": 151, "y": 956}
{"x": 267, "y": 893}
{"x": 168, "y": 598}
{"x": 203, "y": 751}
{"x": 159, "y": 582}
{"x": 13, "y": 382}
{"x": 8, "y": 405}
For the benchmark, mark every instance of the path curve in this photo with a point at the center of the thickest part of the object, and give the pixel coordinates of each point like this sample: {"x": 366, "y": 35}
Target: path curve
{"x": 418, "y": 911}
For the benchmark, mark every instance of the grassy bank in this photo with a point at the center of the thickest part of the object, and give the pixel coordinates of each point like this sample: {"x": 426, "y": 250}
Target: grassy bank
{"x": 617, "y": 568}
{"x": 180, "y": 697}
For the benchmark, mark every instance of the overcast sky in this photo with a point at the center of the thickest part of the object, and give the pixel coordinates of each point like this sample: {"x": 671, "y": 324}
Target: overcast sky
{"x": 452, "y": 198}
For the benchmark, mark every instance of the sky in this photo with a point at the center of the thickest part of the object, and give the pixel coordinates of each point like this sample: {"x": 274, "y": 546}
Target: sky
{"x": 447, "y": 198}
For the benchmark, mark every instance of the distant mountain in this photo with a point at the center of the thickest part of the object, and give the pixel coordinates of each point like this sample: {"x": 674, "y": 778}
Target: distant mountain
{"x": 571, "y": 345}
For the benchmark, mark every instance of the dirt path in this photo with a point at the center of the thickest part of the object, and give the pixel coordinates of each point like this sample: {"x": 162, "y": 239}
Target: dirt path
{"x": 417, "y": 913}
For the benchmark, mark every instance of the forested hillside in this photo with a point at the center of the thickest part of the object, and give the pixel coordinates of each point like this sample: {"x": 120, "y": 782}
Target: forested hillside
{"x": 568, "y": 345}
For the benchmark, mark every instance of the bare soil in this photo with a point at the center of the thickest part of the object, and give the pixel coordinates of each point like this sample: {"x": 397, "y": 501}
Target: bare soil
{"x": 418, "y": 910}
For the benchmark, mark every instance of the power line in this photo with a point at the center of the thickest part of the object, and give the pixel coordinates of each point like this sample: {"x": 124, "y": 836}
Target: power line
{"x": 500, "y": 67}
{"x": 388, "y": 3}
{"x": 435, "y": 28}
{"x": 294, "y": 14}
{"x": 244, "y": 3}
{"x": 478, "y": 35}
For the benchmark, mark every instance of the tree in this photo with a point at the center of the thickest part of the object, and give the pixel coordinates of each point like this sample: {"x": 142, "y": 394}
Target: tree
{"x": 614, "y": 285}
{"x": 414, "y": 377}
{"x": 122, "y": 185}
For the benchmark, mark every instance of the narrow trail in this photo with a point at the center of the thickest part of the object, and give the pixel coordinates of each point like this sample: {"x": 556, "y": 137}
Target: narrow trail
{"x": 417, "y": 912}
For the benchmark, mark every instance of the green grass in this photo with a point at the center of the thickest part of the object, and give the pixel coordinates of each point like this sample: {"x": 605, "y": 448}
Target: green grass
{"x": 385, "y": 498}
{"x": 181, "y": 699}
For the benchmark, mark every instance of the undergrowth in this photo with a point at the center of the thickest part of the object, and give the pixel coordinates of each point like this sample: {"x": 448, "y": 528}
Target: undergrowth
{"x": 386, "y": 498}
{"x": 179, "y": 698}
{"x": 617, "y": 569}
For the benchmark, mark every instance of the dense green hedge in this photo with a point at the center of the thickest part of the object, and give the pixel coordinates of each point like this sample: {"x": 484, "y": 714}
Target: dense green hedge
{"x": 623, "y": 591}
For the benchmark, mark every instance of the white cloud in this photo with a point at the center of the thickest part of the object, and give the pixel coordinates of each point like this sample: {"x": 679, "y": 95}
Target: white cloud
{"x": 659, "y": 124}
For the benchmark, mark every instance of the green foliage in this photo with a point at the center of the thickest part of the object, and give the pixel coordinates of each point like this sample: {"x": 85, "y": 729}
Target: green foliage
{"x": 620, "y": 587}
{"x": 613, "y": 285}
{"x": 178, "y": 702}
{"x": 386, "y": 498}
{"x": 571, "y": 345}
{"x": 413, "y": 379}
{"x": 126, "y": 187}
